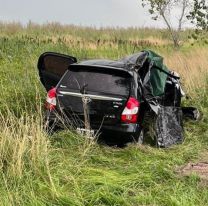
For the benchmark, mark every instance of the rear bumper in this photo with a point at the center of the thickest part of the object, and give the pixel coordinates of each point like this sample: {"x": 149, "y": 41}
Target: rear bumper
{"x": 120, "y": 131}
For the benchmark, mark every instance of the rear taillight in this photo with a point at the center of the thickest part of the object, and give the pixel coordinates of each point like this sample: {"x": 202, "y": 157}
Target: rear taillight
{"x": 130, "y": 112}
{"x": 51, "y": 99}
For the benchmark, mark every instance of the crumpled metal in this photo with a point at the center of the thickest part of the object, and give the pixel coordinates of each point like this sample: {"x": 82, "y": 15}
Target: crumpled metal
{"x": 169, "y": 130}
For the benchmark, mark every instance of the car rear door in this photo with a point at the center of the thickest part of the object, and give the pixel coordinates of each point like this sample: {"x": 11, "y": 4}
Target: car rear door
{"x": 107, "y": 91}
{"x": 52, "y": 66}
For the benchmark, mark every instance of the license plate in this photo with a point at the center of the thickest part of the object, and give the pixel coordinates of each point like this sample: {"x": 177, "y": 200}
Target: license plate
{"x": 89, "y": 133}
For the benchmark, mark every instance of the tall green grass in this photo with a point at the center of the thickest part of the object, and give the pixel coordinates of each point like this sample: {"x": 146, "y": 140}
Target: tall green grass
{"x": 67, "y": 169}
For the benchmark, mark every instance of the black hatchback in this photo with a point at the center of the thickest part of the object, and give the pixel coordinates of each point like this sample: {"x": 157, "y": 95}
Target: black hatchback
{"x": 105, "y": 96}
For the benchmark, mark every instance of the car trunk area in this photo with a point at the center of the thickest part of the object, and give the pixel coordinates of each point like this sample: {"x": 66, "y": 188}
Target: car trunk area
{"x": 100, "y": 92}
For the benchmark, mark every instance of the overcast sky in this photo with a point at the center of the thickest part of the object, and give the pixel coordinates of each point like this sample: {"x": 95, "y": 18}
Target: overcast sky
{"x": 123, "y": 13}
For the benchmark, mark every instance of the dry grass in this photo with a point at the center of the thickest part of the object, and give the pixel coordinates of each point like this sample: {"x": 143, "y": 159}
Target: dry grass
{"x": 23, "y": 144}
{"x": 192, "y": 67}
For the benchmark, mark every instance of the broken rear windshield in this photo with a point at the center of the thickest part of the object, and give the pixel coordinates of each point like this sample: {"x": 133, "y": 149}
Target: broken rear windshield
{"x": 100, "y": 80}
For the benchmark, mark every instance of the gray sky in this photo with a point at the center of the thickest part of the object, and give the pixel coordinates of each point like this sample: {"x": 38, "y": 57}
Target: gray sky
{"x": 123, "y": 13}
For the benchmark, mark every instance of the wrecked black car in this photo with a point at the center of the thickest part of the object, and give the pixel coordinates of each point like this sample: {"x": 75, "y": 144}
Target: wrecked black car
{"x": 112, "y": 97}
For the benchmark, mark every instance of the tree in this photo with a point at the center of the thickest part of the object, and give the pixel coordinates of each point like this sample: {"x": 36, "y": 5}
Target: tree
{"x": 162, "y": 9}
{"x": 199, "y": 15}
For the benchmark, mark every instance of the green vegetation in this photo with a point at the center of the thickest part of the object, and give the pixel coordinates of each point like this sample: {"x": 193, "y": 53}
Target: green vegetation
{"x": 66, "y": 169}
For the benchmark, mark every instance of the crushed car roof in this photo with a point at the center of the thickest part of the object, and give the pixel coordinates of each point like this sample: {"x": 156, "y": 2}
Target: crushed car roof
{"x": 103, "y": 63}
{"x": 127, "y": 63}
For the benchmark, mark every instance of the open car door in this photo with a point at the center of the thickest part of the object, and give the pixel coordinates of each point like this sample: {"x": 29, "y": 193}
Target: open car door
{"x": 52, "y": 66}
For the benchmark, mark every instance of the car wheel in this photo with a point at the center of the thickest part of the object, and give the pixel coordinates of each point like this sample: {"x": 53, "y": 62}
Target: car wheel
{"x": 139, "y": 137}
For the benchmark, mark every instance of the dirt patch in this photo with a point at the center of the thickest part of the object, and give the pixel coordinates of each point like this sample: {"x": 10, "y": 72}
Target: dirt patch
{"x": 200, "y": 169}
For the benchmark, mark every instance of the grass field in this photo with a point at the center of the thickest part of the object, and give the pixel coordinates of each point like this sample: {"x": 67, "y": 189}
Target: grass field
{"x": 66, "y": 169}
